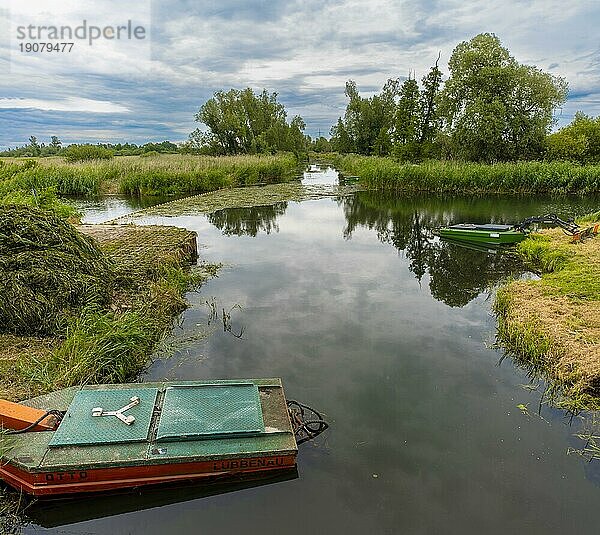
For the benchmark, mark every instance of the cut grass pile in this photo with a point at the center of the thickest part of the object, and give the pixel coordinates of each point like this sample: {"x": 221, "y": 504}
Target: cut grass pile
{"x": 49, "y": 272}
{"x": 166, "y": 174}
{"x": 100, "y": 330}
{"x": 465, "y": 177}
{"x": 552, "y": 325}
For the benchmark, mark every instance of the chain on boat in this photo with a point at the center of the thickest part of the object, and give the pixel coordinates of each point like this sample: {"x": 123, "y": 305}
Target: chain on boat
{"x": 307, "y": 423}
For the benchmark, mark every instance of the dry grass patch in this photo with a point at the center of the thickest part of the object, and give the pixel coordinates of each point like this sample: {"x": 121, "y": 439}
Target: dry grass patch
{"x": 552, "y": 325}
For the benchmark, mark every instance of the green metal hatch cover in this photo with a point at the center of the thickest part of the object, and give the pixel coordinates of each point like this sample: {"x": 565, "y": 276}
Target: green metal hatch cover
{"x": 210, "y": 411}
{"x": 80, "y": 428}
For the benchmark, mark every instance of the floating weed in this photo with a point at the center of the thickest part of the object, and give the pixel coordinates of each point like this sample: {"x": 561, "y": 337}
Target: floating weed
{"x": 271, "y": 194}
{"x": 227, "y": 324}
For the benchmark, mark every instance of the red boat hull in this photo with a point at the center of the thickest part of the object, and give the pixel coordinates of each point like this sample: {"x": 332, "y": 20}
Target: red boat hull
{"x": 56, "y": 483}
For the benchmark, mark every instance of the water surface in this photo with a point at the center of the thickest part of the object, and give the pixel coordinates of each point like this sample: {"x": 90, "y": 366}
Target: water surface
{"x": 369, "y": 318}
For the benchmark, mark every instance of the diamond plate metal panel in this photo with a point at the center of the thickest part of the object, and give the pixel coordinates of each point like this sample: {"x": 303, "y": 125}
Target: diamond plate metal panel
{"x": 79, "y": 427}
{"x": 210, "y": 411}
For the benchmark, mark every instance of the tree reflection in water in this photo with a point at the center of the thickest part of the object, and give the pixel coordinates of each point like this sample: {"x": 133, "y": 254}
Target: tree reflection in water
{"x": 248, "y": 221}
{"x": 457, "y": 273}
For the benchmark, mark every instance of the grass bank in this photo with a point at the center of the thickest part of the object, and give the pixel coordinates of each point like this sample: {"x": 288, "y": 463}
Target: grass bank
{"x": 160, "y": 174}
{"x": 88, "y": 310}
{"x": 465, "y": 177}
{"x": 552, "y": 325}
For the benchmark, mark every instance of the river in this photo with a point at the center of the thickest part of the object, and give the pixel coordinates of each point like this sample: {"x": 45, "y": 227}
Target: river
{"x": 389, "y": 332}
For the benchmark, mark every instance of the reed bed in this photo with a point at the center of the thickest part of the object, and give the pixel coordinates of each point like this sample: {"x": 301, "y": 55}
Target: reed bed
{"x": 466, "y": 177}
{"x": 166, "y": 174}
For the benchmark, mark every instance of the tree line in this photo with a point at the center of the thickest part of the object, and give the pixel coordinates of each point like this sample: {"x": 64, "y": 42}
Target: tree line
{"x": 490, "y": 108}
{"x": 55, "y": 147}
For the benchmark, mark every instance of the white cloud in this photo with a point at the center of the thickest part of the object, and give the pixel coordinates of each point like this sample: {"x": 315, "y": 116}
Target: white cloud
{"x": 70, "y": 104}
{"x": 303, "y": 49}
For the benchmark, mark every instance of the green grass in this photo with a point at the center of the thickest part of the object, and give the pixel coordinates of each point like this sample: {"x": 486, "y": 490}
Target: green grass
{"x": 539, "y": 251}
{"x": 46, "y": 199}
{"x": 551, "y": 326}
{"x": 65, "y": 179}
{"x": 589, "y": 218}
{"x": 465, "y": 177}
{"x": 113, "y": 346}
{"x": 566, "y": 269}
{"x": 166, "y": 174}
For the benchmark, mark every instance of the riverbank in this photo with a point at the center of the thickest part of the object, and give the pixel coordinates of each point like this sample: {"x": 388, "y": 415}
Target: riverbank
{"x": 161, "y": 174}
{"x": 149, "y": 271}
{"x": 470, "y": 178}
{"x": 552, "y": 325}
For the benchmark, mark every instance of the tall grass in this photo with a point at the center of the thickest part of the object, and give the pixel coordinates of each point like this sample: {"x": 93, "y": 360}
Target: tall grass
{"x": 466, "y": 177}
{"x": 167, "y": 174}
{"x": 65, "y": 179}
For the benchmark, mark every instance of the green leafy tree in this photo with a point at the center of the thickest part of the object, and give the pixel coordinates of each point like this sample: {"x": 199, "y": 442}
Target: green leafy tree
{"x": 406, "y": 132}
{"x": 578, "y": 141}
{"x": 340, "y": 139}
{"x": 242, "y": 122}
{"x": 430, "y": 117}
{"x": 367, "y": 124}
{"x": 495, "y": 108}
{"x": 322, "y": 144}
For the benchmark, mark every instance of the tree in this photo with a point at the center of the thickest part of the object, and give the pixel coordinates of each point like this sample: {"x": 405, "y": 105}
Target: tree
{"x": 322, "y": 144}
{"x": 340, "y": 139}
{"x": 430, "y": 119}
{"x": 34, "y": 146}
{"x": 242, "y": 122}
{"x": 406, "y": 133}
{"x": 578, "y": 141}
{"x": 495, "y": 108}
{"x": 367, "y": 124}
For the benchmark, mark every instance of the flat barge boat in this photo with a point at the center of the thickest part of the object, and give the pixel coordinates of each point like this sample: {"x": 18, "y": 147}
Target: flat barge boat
{"x": 107, "y": 437}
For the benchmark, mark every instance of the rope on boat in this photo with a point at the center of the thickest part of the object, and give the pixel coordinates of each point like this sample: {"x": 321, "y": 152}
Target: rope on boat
{"x": 306, "y": 421}
{"x": 57, "y": 414}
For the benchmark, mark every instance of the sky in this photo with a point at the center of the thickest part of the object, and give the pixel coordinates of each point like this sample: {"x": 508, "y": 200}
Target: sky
{"x": 149, "y": 89}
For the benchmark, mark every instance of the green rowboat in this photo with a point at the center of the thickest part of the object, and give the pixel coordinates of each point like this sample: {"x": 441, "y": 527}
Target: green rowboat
{"x": 484, "y": 234}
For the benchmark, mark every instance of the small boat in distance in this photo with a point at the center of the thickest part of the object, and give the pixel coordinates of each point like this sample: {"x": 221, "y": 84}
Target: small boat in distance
{"x": 108, "y": 437}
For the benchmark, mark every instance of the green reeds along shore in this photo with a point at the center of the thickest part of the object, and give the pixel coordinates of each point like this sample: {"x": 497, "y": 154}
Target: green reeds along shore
{"x": 465, "y": 177}
{"x": 166, "y": 174}
{"x": 552, "y": 325}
